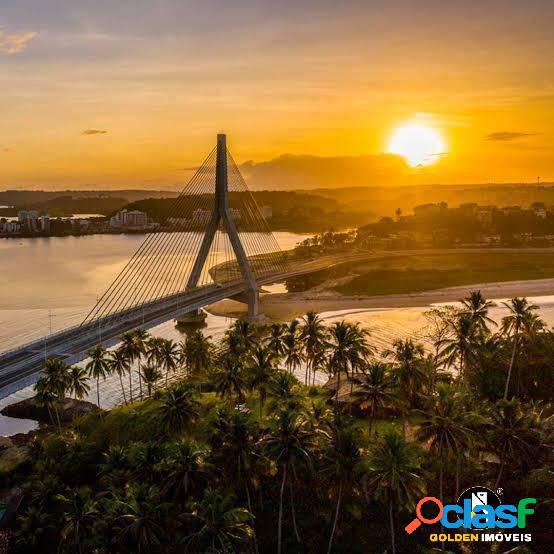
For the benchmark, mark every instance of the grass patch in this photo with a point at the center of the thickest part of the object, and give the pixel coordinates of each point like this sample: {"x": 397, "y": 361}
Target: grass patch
{"x": 139, "y": 421}
{"x": 420, "y": 272}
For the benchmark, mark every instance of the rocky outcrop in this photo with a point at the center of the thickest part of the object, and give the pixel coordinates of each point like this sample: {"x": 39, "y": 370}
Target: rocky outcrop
{"x": 68, "y": 410}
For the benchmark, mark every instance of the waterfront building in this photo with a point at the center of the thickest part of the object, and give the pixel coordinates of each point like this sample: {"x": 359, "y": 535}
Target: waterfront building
{"x": 45, "y": 223}
{"x": 135, "y": 218}
{"x": 129, "y": 218}
{"x": 28, "y": 219}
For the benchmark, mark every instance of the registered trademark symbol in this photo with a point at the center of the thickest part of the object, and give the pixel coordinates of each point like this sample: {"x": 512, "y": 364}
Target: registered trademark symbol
{"x": 499, "y": 491}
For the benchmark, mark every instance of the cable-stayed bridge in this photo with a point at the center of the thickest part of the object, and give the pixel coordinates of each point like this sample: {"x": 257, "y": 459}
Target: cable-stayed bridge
{"x": 218, "y": 245}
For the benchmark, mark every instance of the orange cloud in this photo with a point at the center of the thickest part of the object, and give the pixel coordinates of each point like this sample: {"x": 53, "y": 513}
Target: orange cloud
{"x": 94, "y": 132}
{"x": 14, "y": 43}
{"x": 305, "y": 172}
{"x": 508, "y": 135}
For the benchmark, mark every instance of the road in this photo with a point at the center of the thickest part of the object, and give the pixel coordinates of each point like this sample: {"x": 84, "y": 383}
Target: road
{"x": 20, "y": 367}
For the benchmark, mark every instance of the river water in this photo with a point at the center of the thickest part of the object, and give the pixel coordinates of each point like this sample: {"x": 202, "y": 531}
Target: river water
{"x": 48, "y": 284}
{"x": 55, "y": 281}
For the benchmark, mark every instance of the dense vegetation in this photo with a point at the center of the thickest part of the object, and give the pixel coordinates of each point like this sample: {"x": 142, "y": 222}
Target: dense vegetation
{"x": 378, "y": 272}
{"x": 455, "y": 226}
{"x": 291, "y": 211}
{"x": 225, "y": 450}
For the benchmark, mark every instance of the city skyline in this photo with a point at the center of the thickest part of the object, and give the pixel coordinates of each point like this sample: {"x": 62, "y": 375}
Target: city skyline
{"x": 103, "y": 96}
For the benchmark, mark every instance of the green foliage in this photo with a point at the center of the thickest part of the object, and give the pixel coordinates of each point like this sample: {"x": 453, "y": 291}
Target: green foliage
{"x": 188, "y": 470}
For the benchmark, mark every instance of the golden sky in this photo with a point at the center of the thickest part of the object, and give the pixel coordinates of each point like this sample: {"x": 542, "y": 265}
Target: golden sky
{"x": 132, "y": 93}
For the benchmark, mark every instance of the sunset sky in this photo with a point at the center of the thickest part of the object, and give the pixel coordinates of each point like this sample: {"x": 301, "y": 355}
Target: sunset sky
{"x": 131, "y": 93}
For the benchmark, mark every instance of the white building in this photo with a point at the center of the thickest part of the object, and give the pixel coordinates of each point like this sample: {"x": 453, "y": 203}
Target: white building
{"x": 25, "y": 215}
{"x": 28, "y": 220}
{"x": 11, "y": 227}
{"x": 129, "y": 218}
{"x": 45, "y": 223}
{"x": 135, "y": 218}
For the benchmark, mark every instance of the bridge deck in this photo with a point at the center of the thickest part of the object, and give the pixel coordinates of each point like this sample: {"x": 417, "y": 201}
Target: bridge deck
{"x": 20, "y": 367}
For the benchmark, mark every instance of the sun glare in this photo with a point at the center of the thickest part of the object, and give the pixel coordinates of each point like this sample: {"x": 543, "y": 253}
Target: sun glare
{"x": 418, "y": 144}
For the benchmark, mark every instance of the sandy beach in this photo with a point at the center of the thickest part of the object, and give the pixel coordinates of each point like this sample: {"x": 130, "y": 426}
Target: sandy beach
{"x": 282, "y": 307}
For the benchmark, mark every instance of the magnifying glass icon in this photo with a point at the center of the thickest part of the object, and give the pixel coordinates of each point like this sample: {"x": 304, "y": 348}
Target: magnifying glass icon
{"x": 414, "y": 524}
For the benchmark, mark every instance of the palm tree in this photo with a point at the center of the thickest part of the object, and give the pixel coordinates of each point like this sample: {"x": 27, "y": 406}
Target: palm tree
{"x": 512, "y": 324}
{"x": 229, "y": 376}
{"x": 375, "y": 389}
{"x": 97, "y": 367}
{"x": 119, "y": 363}
{"x": 79, "y": 513}
{"x": 178, "y": 408}
{"x": 47, "y": 400}
{"x": 115, "y": 467}
{"x": 197, "y": 352}
{"x": 314, "y": 334}
{"x": 394, "y": 475}
{"x": 348, "y": 350}
{"x": 140, "y": 338}
{"x": 182, "y": 469}
{"x": 447, "y": 426}
{"x": 293, "y": 349}
{"x": 132, "y": 352}
{"x": 154, "y": 346}
{"x": 222, "y": 526}
{"x": 78, "y": 382}
{"x": 169, "y": 357}
{"x": 318, "y": 415}
{"x": 409, "y": 366}
{"x": 476, "y": 307}
{"x": 276, "y": 339}
{"x": 283, "y": 391}
{"x": 44, "y": 492}
{"x": 342, "y": 461}
{"x": 150, "y": 374}
{"x": 140, "y": 524}
{"x": 288, "y": 445}
{"x": 236, "y": 448}
{"x": 54, "y": 377}
{"x": 461, "y": 344}
{"x": 240, "y": 337}
{"x": 36, "y": 530}
{"x": 320, "y": 362}
{"x": 513, "y": 436}
{"x": 261, "y": 371}
{"x": 52, "y": 386}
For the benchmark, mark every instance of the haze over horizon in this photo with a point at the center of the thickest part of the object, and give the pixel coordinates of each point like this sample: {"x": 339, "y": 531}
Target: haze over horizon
{"x": 311, "y": 94}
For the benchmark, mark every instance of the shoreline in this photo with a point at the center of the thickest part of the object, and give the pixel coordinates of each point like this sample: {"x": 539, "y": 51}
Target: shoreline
{"x": 287, "y": 306}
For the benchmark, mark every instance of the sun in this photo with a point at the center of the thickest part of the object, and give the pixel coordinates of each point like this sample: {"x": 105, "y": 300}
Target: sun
{"x": 418, "y": 144}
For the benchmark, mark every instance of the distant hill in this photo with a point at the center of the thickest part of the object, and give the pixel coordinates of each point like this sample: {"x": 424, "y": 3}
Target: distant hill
{"x": 23, "y": 197}
{"x": 302, "y": 209}
{"x": 385, "y": 200}
{"x": 61, "y": 203}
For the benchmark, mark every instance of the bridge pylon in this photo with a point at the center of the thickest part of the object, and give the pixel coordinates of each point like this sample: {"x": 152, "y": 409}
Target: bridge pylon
{"x": 222, "y": 214}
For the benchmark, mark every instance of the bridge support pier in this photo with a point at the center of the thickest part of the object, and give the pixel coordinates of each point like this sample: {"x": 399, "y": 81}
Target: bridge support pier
{"x": 222, "y": 213}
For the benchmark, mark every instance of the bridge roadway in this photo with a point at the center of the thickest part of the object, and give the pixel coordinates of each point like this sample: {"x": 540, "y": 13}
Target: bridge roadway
{"x": 19, "y": 367}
